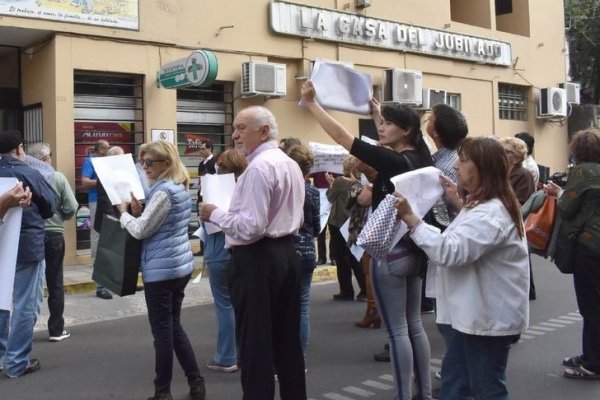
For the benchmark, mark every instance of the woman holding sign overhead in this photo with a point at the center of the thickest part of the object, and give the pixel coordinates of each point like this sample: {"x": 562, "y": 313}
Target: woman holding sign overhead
{"x": 167, "y": 263}
{"x": 396, "y": 281}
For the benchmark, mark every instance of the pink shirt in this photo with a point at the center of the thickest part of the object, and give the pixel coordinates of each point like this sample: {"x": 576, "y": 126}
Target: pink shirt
{"x": 268, "y": 199}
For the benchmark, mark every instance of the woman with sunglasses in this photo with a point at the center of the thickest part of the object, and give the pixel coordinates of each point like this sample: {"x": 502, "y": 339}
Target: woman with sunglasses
{"x": 167, "y": 262}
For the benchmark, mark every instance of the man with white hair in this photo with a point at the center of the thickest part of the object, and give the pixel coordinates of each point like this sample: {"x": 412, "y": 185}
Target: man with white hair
{"x": 66, "y": 207}
{"x": 265, "y": 212}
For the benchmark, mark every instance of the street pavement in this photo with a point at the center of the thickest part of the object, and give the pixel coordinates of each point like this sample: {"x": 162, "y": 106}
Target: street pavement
{"x": 110, "y": 353}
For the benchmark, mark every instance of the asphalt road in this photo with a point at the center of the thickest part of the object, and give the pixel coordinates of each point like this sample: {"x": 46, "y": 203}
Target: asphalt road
{"x": 112, "y": 356}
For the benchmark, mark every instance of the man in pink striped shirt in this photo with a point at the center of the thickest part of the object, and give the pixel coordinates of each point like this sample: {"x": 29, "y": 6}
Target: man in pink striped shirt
{"x": 265, "y": 212}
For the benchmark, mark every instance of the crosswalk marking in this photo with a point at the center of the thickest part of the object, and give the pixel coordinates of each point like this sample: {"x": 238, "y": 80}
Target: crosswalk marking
{"x": 435, "y": 361}
{"x": 575, "y": 314}
{"x": 377, "y": 385}
{"x": 551, "y": 325}
{"x": 387, "y": 377}
{"x": 572, "y": 318}
{"x": 533, "y": 332}
{"x": 542, "y": 328}
{"x": 561, "y": 321}
{"x": 524, "y": 336}
{"x": 358, "y": 391}
{"x": 336, "y": 396}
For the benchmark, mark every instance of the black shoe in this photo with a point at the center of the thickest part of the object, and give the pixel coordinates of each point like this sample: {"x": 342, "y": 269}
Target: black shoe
{"x": 34, "y": 365}
{"x": 161, "y": 396}
{"x": 532, "y": 295}
{"x": 386, "y": 347}
{"x": 104, "y": 294}
{"x": 332, "y": 262}
{"x": 361, "y": 297}
{"x": 321, "y": 261}
{"x": 382, "y": 357}
{"x": 340, "y": 296}
{"x": 197, "y": 389}
{"x": 199, "y": 253}
{"x": 139, "y": 288}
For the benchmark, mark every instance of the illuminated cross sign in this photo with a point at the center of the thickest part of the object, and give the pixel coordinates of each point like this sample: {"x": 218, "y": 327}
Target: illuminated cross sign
{"x": 199, "y": 69}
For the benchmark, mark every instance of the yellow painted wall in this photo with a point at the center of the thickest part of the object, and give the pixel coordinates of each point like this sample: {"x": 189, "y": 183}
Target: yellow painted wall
{"x": 171, "y": 29}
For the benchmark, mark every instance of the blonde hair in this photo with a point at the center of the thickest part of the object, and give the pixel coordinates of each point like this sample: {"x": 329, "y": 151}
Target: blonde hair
{"x": 349, "y": 165}
{"x": 231, "y": 161}
{"x": 162, "y": 150}
{"x": 519, "y": 146}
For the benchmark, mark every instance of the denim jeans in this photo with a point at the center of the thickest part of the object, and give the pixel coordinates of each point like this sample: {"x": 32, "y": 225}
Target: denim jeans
{"x": 163, "y": 300}
{"x": 308, "y": 267}
{"x": 397, "y": 291}
{"x": 16, "y": 328}
{"x": 226, "y": 352}
{"x": 477, "y": 363}
{"x": 55, "y": 253}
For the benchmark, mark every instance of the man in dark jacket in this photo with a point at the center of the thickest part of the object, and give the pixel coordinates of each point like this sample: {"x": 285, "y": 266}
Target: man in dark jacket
{"x": 16, "y": 333}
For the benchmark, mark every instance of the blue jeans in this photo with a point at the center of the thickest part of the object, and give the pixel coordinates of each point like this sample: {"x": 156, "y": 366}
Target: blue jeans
{"x": 308, "y": 266}
{"x": 477, "y": 363}
{"x": 16, "y": 333}
{"x": 397, "y": 291}
{"x": 226, "y": 353}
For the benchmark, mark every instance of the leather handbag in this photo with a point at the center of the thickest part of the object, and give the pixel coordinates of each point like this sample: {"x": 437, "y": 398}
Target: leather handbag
{"x": 118, "y": 258}
{"x": 539, "y": 225}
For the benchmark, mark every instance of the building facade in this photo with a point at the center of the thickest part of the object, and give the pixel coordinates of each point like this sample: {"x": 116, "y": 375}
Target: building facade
{"x": 73, "y": 72}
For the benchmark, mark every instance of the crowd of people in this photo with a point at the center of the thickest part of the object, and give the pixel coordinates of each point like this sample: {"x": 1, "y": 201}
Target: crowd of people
{"x": 469, "y": 253}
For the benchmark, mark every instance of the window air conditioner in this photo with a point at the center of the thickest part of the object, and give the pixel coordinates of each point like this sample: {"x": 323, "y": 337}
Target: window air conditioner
{"x": 403, "y": 86}
{"x": 431, "y": 98}
{"x": 263, "y": 79}
{"x": 552, "y": 102}
{"x": 573, "y": 92}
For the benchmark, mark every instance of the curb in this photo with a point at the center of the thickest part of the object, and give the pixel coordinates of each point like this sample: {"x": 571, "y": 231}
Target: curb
{"x": 322, "y": 273}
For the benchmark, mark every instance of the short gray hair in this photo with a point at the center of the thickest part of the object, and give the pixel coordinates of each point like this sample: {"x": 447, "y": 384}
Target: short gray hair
{"x": 39, "y": 150}
{"x": 263, "y": 116}
{"x": 114, "y": 151}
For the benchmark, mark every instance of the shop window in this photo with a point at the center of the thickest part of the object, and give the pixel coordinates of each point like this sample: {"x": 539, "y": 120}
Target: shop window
{"x": 33, "y": 124}
{"x": 107, "y": 107}
{"x": 512, "y": 102}
{"x": 202, "y": 113}
{"x": 471, "y": 12}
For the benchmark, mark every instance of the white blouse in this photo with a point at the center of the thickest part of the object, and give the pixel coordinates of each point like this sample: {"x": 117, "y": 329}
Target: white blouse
{"x": 481, "y": 271}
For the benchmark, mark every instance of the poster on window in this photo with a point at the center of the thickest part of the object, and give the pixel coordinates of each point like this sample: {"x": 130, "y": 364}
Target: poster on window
{"x": 88, "y": 133}
{"x": 114, "y": 13}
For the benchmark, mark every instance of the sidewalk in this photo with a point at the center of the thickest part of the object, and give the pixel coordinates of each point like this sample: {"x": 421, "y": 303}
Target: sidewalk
{"x": 78, "y": 278}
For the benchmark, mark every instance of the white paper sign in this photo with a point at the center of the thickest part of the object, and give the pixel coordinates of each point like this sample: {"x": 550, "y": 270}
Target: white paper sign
{"x": 328, "y": 157}
{"x": 119, "y": 177}
{"x": 9, "y": 246}
{"x": 325, "y": 208}
{"x": 340, "y": 87}
{"x": 217, "y": 190}
{"x": 422, "y": 189}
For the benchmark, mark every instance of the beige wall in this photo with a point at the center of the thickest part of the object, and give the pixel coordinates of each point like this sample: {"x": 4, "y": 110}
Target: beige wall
{"x": 169, "y": 30}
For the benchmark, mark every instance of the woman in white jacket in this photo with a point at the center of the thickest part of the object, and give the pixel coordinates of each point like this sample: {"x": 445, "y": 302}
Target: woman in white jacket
{"x": 482, "y": 273}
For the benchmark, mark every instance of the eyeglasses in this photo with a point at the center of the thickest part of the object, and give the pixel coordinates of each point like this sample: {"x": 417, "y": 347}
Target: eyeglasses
{"x": 149, "y": 162}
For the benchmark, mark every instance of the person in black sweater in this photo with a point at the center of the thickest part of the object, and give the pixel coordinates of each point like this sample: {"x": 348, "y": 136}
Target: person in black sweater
{"x": 396, "y": 280}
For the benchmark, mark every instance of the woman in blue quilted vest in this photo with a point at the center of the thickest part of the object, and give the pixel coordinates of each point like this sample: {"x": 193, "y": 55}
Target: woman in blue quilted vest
{"x": 167, "y": 262}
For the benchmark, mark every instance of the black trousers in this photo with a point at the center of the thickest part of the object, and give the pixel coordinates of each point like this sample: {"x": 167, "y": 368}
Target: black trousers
{"x": 163, "y": 300}
{"x": 55, "y": 254}
{"x": 264, "y": 284}
{"x": 322, "y": 246}
{"x": 345, "y": 264}
{"x": 586, "y": 276}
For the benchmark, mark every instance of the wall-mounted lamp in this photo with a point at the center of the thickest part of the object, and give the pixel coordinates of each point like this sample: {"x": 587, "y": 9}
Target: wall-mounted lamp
{"x": 363, "y": 3}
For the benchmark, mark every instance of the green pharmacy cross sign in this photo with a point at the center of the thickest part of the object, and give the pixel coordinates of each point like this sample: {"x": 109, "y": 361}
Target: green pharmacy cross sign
{"x": 199, "y": 69}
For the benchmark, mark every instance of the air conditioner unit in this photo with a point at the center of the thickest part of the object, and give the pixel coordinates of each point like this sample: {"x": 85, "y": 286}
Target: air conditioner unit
{"x": 263, "y": 79}
{"x": 573, "y": 92}
{"x": 403, "y": 86}
{"x": 431, "y": 98}
{"x": 552, "y": 102}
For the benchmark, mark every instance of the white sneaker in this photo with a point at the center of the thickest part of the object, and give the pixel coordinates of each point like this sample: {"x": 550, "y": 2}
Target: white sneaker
{"x": 60, "y": 337}
{"x": 438, "y": 375}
